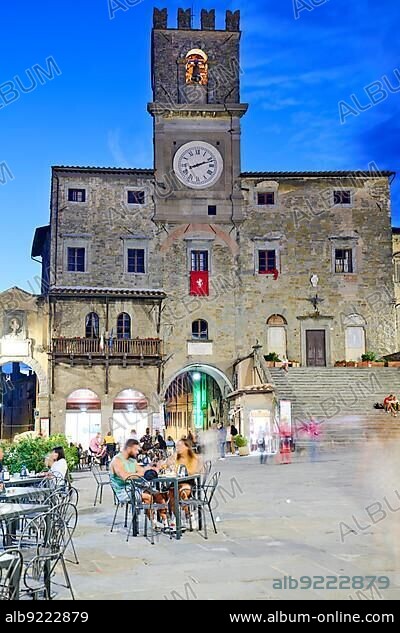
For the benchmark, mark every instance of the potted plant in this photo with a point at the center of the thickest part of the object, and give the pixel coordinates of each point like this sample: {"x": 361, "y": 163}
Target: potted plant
{"x": 243, "y": 445}
{"x": 367, "y": 359}
{"x": 351, "y": 363}
{"x": 340, "y": 363}
{"x": 379, "y": 362}
{"x": 273, "y": 360}
{"x": 294, "y": 363}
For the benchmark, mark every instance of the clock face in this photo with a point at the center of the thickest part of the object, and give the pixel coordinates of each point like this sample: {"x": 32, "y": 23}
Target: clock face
{"x": 198, "y": 165}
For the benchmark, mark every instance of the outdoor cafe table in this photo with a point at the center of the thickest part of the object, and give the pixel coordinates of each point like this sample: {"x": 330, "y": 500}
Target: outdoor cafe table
{"x": 31, "y": 480}
{"x": 11, "y": 511}
{"x": 11, "y": 495}
{"x": 175, "y": 481}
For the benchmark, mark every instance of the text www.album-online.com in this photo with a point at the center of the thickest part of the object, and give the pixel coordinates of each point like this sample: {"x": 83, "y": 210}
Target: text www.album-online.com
{"x": 280, "y": 617}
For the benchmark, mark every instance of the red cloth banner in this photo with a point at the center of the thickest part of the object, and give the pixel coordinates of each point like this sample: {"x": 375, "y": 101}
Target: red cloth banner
{"x": 199, "y": 284}
{"x": 273, "y": 272}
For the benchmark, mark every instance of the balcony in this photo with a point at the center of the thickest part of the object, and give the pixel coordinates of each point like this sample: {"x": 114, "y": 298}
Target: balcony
{"x": 116, "y": 351}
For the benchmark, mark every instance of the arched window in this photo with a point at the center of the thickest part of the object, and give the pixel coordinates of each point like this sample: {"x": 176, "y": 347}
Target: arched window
{"x": 355, "y": 339}
{"x": 196, "y": 67}
{"x": 277, "y": 319}
{"x": 92, "y": 325}
{"x": 277, "y": 335}
{"x": 124, "y": 326}
{"x": 200, "y": 330}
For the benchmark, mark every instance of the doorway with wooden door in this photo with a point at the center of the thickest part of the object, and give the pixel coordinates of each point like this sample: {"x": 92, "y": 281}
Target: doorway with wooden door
{"x": 316, "y": 348}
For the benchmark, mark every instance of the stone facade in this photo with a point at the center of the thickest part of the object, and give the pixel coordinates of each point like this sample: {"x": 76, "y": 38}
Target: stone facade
{"x": 302, "y": 227}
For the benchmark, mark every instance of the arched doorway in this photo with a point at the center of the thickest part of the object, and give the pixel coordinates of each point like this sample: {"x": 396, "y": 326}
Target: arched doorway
{"x": 83, "y": 417}
{"x": 130, "y": 412}
{"x": 354, "y": 337}
{"x": 276, "y": 335}
{"x": 18, "y": 399}
{"x": 196, "y": 399}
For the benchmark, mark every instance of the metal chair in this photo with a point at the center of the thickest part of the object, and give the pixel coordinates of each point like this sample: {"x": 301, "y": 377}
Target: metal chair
{"x": 70, "y": 516}
{"x": 201, "y": 500}
{"x": 205, "y": 472}
{"x": 73, "y": 496}
{"x": 11, "y": 562}
{"x": 136, "y": 488}
{"x": 102, "y": 479}
{"x": 119, "y": 504}
{"x": 49, "y": 537}
{"x": 54, "y": 481}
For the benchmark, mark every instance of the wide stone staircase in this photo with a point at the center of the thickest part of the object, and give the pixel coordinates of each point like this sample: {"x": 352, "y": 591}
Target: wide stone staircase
{"x": 342, "y": 399}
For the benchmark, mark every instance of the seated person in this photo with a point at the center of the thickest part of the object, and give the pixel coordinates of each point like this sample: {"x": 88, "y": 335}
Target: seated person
{"x": 124, "y": 466}
{"x": 394, "y": 406}
{"x": 185, "y": 456}
{"x": 387, "y": 401}
{"x": 57, "y": 465}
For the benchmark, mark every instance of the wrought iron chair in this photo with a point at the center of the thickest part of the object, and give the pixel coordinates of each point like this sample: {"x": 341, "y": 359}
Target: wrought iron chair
{"x": 119, "y": 504}
{"x": 205, "y": 472}
{"x": 201, "y": 500}
{"x": 102, "y": 479}
{"x": 43, "y": 544}
{"x": 136, "y": 487}
{"x": 11, "y": 562}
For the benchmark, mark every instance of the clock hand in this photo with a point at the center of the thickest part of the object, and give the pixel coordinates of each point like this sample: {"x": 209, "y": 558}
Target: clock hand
{"x": 211, "y": 160}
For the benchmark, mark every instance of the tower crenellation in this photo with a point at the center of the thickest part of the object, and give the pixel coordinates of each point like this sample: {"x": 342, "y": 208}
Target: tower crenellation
{"x": 185, "y": 20}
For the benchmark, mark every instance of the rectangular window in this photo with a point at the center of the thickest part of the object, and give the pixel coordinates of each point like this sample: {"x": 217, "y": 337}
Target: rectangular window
{"x": 76, "y": 195}
{"x": 136, "y": 260}
{"x": 212, "y": 209}
{"x": 267, "y": 198}
{"x": 199, "y": 261}
{"x": 343, "y": 260}
{"x": 136, "y": 197}
{"x": 76, "y": 260}
{"x": 397, "y": 270}
{"x": 342, "y": 197}
{"x": 266, "y": 261}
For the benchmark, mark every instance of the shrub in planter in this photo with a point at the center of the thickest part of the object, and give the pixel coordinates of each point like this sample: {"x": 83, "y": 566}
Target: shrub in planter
{"x": 340, "y": 363}
{"x": 368, "y": 356}
{"x": 272, "y": 359}
{"x": 32, "y": 451}
{"x": 242, "y": 444}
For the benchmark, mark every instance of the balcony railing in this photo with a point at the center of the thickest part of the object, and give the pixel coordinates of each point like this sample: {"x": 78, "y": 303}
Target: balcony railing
{"x": 139, "y": 348}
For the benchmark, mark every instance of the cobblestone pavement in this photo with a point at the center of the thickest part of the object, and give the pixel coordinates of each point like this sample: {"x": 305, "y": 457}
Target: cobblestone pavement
{"x": 337, "y": 516}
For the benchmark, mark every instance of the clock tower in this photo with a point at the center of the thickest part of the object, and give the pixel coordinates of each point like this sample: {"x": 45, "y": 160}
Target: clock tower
{"x": 197, "y": 119}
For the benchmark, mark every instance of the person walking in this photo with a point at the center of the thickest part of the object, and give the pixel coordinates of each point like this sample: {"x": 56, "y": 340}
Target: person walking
{"x": 221, "y": 436}
{"x": 261, "y": 444}
{"x": 313, "y": 433}
{"x": 234, "y": 433}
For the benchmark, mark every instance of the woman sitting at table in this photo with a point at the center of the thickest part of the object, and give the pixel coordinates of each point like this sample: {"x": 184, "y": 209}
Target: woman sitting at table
{"x": 185, "y": 456}
{"x": 57, "y": 464}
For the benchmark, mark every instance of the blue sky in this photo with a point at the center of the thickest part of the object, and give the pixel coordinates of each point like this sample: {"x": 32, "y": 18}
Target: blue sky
{"x": 295, "y": 73}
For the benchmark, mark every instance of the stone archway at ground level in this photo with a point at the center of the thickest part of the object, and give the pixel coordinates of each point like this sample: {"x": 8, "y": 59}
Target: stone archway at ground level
{"x": 43, "y": 382}
{"x": 195, "y": 399}
{"x": 82, "y": 416}
{"x": 19, "y": 396}
{"x": 130, "y": 413}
